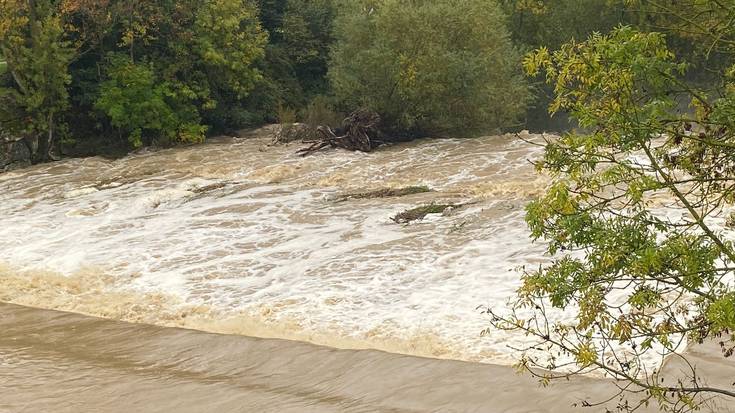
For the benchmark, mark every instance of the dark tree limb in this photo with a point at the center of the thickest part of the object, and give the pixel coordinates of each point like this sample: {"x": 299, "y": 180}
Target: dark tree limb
{"x": 359, "y": 132}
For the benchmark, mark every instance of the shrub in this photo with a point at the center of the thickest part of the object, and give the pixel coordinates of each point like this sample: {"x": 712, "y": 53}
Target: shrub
{"x": 321, "y": 112}
{"x": 286, "y": 115}
{"x": 144, "y": 108}
{"x": 429, "y": 67}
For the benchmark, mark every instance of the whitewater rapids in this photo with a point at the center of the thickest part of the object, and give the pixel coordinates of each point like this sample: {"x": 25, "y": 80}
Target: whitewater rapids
{"x": 238, "y": 236}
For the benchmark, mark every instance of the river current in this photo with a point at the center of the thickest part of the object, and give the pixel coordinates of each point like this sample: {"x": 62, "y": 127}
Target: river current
{"x": 239, "y": 236}
{"x": 242, "y": 237}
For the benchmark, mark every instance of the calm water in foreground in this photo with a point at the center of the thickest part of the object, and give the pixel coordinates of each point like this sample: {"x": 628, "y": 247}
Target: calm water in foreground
{"x": 59, "y": 362}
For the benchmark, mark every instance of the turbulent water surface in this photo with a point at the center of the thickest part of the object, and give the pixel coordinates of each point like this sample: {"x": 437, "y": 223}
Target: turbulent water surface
{"x": 237, "y": 236}
{"x": 242, "y": 237}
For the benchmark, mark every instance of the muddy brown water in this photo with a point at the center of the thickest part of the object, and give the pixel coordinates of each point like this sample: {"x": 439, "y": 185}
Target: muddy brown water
{"x": 236, "y": 236}
{"x": 60, "y": 362}
{"x": 243, "y": 238}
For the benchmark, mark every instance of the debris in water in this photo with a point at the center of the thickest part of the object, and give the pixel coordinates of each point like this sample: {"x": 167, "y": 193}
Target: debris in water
{"x": 359, "y": 132}
{"x": 422, "y": 211}
{"x": 209, "y": 188}
{"x": 386, "y": 193}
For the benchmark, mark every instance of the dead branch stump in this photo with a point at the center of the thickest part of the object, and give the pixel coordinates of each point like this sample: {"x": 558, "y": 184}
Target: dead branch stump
{"x": 358, "y": 133}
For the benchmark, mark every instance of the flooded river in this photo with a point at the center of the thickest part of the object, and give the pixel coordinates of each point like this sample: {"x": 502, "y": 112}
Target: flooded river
{"x": 237, "y": 236}
{"x": 240, "y": 237}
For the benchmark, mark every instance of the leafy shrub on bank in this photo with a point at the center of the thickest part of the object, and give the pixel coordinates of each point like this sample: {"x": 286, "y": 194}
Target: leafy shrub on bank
{"x": 429, "y": 67}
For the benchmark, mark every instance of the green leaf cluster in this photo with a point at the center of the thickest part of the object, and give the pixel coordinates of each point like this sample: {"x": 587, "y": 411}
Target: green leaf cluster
{"x": 140, "y": 105}
{"x": 634, "y": 217}
{"x": 36, "y": 56}
{"x": 429, "y": 67}
{"x": 139, "y": 72}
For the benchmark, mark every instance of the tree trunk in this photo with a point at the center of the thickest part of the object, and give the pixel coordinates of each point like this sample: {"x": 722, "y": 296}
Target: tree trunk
{"x": 45, "y": 143}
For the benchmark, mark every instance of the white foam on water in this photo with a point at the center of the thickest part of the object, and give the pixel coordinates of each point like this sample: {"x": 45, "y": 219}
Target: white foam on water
{"x": 243, "y": 229}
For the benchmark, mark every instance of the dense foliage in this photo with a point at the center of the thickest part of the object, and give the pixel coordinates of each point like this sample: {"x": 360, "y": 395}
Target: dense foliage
{"x": 98, "y": 74}
{"x": 32, "y": 38}
{"x": 635, "y": 219}
{"x": 429, "y": 67}
{"x": 162, "y": 71}
{"x": 146, "y": 72}
{"x": 301, "y": 34}
{"x": 551, "y": 23}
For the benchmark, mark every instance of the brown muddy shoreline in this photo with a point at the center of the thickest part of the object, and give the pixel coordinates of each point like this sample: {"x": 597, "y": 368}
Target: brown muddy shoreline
{"x": 63, "y": 362}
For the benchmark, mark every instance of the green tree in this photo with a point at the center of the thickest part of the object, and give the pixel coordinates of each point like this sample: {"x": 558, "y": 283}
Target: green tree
{"x": 295, "y": 66}
{"x": 307, "y": 37}
{"x": 139, "y": 105}
{"x": 634, "y": 220}
{"x": 429, "y": 67}
{"x": 221, "y": 65}
{"x": 198, "y": 58}
{"x": 34, "y": 94}
{"x": 699, "y": 31}
{"x": 551, "y": 23}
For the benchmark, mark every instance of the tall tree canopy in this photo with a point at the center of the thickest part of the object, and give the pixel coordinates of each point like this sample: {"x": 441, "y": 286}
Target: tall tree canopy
{"x": 199, "y": 55}
{"x": 297, "y": 57}
{"x": 428, "y": 67}
{"x": 131, "y": 73}
{"x": 163, "y": 71}
{"x": 33, "y": 95}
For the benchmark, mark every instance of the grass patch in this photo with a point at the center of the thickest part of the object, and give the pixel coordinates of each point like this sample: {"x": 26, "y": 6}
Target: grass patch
{"x": 386, "y": 193}
{"x": 3, "y": 67}
{"x": 417, "y": 213}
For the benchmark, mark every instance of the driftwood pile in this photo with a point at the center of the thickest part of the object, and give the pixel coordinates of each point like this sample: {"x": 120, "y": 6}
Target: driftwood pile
{"x": 359, "y": 132}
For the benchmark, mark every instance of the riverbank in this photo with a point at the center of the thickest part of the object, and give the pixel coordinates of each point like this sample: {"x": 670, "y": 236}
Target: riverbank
{"x": 63, "y": 362}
